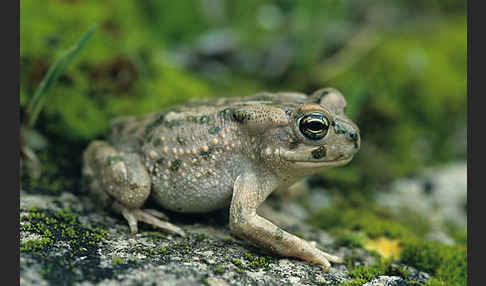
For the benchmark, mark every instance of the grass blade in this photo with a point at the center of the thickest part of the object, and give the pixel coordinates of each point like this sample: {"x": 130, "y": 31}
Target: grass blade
{"x": 49, "y": 81}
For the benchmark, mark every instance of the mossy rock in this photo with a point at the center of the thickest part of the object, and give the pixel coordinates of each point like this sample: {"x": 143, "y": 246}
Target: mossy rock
{"x": 447, "y": 263}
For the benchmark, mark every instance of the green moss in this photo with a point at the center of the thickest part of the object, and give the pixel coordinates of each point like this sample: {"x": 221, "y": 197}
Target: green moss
{"x": 365, "y": 274}
{"x": 251, "y": 262}
{"x": 158, "y": 252}
{"x": 150, "y": 251}
{"x": 51, "y": 180}
{"x": 118, "y": 74}
{"x": 219, "y": 270}
{"x": 162, "y": 250}
{"x": 458, "y": 233}
{"x": 351, "y": 240}
{"x": 352, "y": 223}
{"x": 181, "y": 248}
{"x": 36, "y": 244}
{"x": 59, "y": 225}
{"x": 237, "y": 262}
{"x": 200, "y": 237}
{"x": 116, "y": 261}
{"x": 448, "y": 264}
{"x": 156, "y": 236}
{"x": 256, "y": 263}
{"x": 239, "y": 265}
{"x": 205, "y": 281}
{"x": 82, "y": 241}
{"x": 374, "y": 223}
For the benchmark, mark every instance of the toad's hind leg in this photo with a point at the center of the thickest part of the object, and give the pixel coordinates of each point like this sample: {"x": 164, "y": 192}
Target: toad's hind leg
{"x": 120, "y": 181}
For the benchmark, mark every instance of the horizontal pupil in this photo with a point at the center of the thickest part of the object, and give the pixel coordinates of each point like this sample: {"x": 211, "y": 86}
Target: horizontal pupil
{"x": 315, "y": 126}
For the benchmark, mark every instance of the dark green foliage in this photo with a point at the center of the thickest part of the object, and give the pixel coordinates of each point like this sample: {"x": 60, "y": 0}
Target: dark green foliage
{"x": 57, "y": 69}
{"x": 351, "y": 240}
{"x": 409, "y": 99}
{"x": 117, "y": 74}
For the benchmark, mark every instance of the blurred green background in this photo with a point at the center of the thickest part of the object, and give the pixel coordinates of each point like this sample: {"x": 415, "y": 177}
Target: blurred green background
{"x": 400, "y": 64}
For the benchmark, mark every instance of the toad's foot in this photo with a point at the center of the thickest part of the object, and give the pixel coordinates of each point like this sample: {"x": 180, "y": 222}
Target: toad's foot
{"x": 133, "y": 216}
{"x": 330, "y": 257}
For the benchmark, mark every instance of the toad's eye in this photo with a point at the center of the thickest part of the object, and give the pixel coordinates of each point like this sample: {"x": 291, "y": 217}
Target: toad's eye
{"x": 314, "y": 125}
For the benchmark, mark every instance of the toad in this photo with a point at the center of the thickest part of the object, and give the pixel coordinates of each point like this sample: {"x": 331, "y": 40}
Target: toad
{"x": 224, "y": 152}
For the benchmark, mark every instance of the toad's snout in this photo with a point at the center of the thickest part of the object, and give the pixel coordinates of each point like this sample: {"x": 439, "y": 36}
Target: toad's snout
{"x": 350, "y": 132}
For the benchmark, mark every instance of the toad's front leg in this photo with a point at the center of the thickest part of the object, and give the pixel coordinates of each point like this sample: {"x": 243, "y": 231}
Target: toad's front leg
{"x": 248, "y": 194}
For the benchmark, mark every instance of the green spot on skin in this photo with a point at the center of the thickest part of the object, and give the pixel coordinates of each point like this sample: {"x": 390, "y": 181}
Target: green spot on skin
{"x": 226, "y": 113}
{"x": 240, "y": 218}
{"x": 113, "y": 160}
{"x": 319, "y": 152}
{"x": 149, "y": 131}
{"x": 160, "y": 161}
{"x": 205, "y": 155}
{"x": 157, "y": 142}
{"x": 241, "y": 116}
{"x": 203, "y": 119}
{"x": 214, "y": 130}
{"x": 181, "y": 140}
{"x": 339, "y": 129}
{"x": 175, "y": 165}
{"x": 210, "y": 120}
{"x": 279, "y": 234}
{"x": 172, "y": 123}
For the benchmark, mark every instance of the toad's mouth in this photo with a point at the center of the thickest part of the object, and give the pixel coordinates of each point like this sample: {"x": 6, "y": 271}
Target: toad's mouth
{"x": 315, "y": 163}
{"x": 310, "y": 159}
{"x": 302, "y": 159}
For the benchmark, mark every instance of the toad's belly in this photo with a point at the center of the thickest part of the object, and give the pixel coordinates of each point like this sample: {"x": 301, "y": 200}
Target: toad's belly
{"x": 197, "y": 190}
{"x": 193, "y": 199}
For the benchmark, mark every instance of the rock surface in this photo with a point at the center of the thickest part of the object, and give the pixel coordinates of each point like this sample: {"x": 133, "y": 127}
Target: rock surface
{"x": 209, "y": 255}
